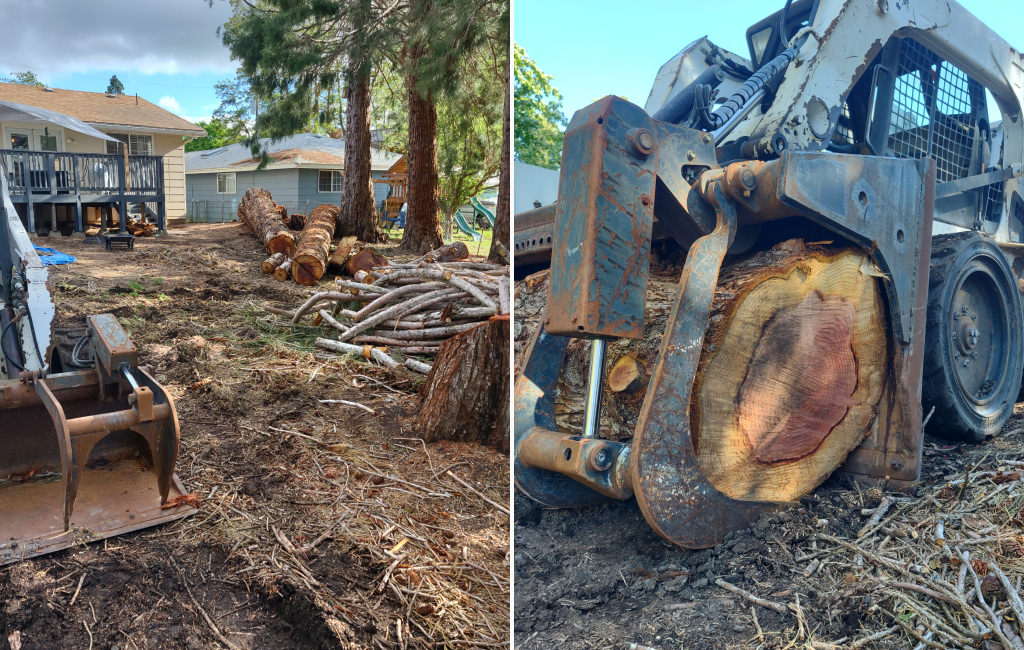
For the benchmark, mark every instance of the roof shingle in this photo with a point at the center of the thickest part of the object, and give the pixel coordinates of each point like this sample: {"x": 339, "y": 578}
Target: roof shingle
{"x": 98, "y": 108}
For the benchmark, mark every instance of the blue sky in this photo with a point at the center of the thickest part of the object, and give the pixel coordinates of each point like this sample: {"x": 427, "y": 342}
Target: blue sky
{"x": 167, "y": 51}
{"x": 604, "y": 47}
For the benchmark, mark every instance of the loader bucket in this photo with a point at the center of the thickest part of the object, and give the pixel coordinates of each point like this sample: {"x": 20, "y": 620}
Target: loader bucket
{"x": 76, "y": 466}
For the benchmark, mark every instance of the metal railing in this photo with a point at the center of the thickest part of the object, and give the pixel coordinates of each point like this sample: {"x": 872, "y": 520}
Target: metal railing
{"x": 42, "y": 172}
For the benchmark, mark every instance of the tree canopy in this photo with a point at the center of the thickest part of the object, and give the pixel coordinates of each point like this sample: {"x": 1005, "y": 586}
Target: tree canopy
{"x": 115, "y": 87}
{"x": 27, "y": 78}
{"x": 218, "y": 134}
{"x": 539, "y": 120}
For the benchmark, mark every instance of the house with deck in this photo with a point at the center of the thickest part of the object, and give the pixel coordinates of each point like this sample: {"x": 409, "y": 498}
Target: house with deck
{"x": 305, "y": 170}
{"x": 71, "y": 156}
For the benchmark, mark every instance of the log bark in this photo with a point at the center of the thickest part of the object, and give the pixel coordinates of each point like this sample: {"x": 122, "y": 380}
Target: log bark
{"x": 310, "y": 261}
{"x": 357, "y": 215}
{"x": 789, "y": 380}
{"x": 342, "y": 251}
{"x": 284, "y": 271}
{"x": 422, "y": 225}
{"x": 258, "y": 211}
{"x": 466, "y": 395}
{"x": 452, "y": 252}
{"x": 503, "y": 211}
{"x": 268, "y": 265}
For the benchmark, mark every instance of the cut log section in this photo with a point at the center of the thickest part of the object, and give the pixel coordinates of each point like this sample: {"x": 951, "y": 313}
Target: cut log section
{"x": 258, "y": 211}
{"x": 284, "y": 271}
{"x": 268, "y": 265}
{"x": 342, "y": 251}
{"x": 314, "y": 243}
{"x": 792, "y": 371}
{"x": 452, "y": 252}
{"x": 364, "y": 260}
{"x": 789, "y": 381}
{"x": 466, "y": 396}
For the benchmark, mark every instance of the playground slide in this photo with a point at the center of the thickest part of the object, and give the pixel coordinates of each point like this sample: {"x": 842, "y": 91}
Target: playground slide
{"x": 460, "y": 221}
{"x": 482, "y": 210}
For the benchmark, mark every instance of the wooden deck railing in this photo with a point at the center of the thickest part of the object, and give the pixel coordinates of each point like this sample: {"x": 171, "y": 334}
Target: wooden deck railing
{"x": 36, "y": 177}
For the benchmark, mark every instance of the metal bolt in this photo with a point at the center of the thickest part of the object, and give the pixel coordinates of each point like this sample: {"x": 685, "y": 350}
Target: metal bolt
{"x": 602, "y": 459}
{"x": 706, "y": 138}
{"x": 897, "y": 465}
{"x": 967, "y": 362}
{"x": 690, "y": 155}
{"x": 748, "y": 179}
{"x": 964, "y": 309}
{"x": 642, "y": 142}
{"x": 975, "y": 355}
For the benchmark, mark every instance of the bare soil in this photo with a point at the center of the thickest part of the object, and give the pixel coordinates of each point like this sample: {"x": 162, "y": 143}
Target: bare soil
{"x": 406, "y": 557}
{"x": 600, "y": 577}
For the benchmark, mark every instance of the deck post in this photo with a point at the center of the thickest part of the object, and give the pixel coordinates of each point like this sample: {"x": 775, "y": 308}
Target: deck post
{"x": 161, "y": 210}
{"x": 78, "y": 198}
{"x": 122, "y": 204}
{"x": 31, "y": 216}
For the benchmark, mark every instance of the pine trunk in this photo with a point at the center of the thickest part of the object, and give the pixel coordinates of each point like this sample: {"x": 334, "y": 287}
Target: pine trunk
{"x": 422, "y": 225}
{"x": 502, "y": 213}
{"x": 310, "y": 260}
{"x": 466, "y": 396}
{"x": 258, "y": 211}
{"x": 357, "y": 216}
{"x": 792, "y": 369}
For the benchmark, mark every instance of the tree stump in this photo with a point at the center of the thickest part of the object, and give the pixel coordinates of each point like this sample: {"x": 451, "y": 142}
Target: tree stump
{"x": 258, "y": 211}
{"x": 466, "y": 396}
{"x": 314, "y": 243}
{"x": 789, "y": 380}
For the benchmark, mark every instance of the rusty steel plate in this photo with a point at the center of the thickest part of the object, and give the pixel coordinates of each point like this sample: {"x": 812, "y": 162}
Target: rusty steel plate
{"x": 673, "y": 494}
{"x": 114, "y": 499}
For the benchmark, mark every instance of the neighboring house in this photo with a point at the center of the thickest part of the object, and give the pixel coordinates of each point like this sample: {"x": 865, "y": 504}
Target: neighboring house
{"x": 304, "y": 171}
{"x": 58, "y": 173}
{"x": 533, "y": 185}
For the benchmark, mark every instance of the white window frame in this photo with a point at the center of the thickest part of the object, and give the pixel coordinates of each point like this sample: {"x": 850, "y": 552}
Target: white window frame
{"x": 134, "y": 142}
{"x": 335, "y": 175}
{"x": 226, "y": 176}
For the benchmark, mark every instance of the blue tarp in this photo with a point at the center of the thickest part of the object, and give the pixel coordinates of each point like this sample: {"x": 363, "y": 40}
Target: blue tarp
{"x": 50, "y": 256}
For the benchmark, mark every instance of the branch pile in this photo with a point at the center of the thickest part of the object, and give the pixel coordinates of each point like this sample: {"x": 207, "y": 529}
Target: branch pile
{"x": 411, "y": 307}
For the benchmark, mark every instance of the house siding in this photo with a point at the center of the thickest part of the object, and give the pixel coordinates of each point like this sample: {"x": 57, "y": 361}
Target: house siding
{"x": 205, "y": 204}
{"x": 296, "y": 189}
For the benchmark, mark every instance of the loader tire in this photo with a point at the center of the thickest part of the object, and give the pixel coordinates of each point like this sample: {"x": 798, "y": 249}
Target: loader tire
{"x": 974, "y": 340}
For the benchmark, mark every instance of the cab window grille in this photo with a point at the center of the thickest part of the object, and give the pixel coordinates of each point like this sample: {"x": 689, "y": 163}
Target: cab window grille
{"x": 934, "y": 112}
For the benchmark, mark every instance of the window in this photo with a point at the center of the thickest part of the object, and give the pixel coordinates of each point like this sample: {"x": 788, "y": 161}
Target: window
{"x": 226, "y": 183}
{"x": 330, "y": 180}
{"x": 138, "y": 145}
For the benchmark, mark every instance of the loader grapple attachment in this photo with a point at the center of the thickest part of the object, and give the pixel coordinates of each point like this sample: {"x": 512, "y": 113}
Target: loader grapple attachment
{"x": 86, "y": 454}
{"x": 623, "y": 174}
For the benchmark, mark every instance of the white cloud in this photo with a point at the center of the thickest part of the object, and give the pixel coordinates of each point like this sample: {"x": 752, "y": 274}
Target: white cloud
{"x": 170, "y": 104}
{"x": 145, "y": 36}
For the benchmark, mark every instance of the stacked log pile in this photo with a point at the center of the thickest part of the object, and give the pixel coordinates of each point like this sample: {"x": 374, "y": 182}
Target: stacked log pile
{"x": 258, "y": 211}
{"x": 140, "y": 229}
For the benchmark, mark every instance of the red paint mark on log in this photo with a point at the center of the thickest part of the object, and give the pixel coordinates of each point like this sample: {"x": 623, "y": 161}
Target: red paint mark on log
{"x": 801, "y": 379}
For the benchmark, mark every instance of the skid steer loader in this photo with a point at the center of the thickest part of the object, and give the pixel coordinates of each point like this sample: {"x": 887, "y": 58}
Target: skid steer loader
{"x": 84, "y": 454}
{"x": 890, "y": 129}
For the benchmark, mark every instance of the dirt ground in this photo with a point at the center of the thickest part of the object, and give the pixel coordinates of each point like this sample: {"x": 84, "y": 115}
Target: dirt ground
{"x": 406, "y": 557}
{"x": 600, "y": 577}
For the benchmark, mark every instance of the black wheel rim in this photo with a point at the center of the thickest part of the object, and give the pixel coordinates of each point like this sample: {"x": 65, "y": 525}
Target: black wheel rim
{"x": 978, "y": 337}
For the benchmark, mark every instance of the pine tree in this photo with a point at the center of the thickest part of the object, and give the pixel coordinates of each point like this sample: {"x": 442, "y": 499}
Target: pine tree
{"x": 115, "y": 87}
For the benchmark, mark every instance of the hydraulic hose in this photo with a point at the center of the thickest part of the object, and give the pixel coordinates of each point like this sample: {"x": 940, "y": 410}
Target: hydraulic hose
{"x": 712, "y": 121}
